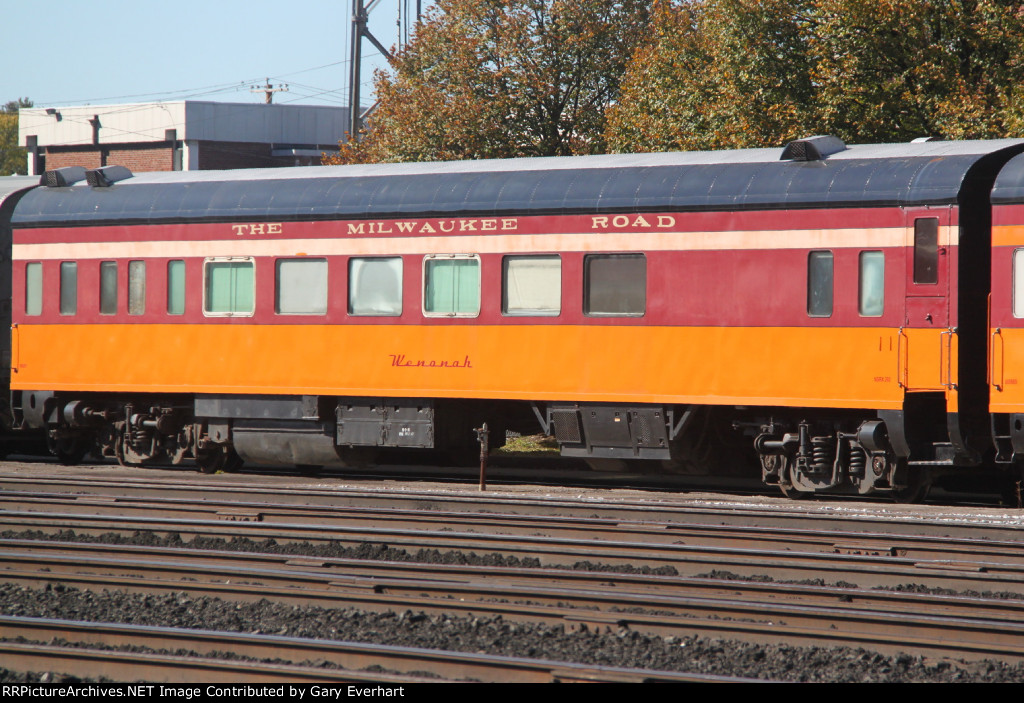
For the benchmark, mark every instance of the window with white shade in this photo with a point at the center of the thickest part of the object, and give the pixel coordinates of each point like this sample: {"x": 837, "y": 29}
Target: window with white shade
{"x": 300, "y": 287}
{"x": 871, "y": 284}
{"x": 375, "y": 286}
{"x": 532, "y": 285}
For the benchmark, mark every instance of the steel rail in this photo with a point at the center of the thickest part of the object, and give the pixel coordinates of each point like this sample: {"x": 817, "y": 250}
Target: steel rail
{"x": 762, "y": 537}
{"x": 688, "y": 559}
{"x": 653, "y": 506}
{"x": 289, "y": 574}
{"x": 624, "y": 534}
{"x": 350, "y": 656}
{"x": 120, "y": 665}
{"x": 940, "y": 625}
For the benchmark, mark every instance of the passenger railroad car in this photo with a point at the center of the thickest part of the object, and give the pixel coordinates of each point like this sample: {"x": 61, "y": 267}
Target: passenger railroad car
{"x": 825, "y": 305}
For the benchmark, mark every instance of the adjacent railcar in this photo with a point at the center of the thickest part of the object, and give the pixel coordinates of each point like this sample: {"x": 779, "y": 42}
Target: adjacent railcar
{"x": 1005, "y": 349}
{"x": 823, "y": 304}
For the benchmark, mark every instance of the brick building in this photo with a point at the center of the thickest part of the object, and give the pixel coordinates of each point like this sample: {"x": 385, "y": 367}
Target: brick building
{"x": 185, "y": 135}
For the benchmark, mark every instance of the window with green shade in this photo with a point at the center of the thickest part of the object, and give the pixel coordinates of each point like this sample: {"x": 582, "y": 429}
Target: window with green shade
{"x": 108, "y": 287}
{"x": 451, "y": 286}
{"x": 872, "y": 283}
{"x": 34, "y": 288}
{"x": 229, "y": 287}
{"x": 68, "y": 287}
{"x": 176, "y": 287}
{"x": 136, "y": 287}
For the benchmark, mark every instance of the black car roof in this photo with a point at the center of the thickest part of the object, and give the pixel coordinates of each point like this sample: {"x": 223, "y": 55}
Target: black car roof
{"x": 862, "y": 175}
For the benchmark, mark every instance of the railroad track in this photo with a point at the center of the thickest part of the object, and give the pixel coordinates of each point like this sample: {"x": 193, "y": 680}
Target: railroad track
{"x": 868, "y": 560}
{"x": 258, "y": 494}
{"x": 942, "y": 625}
{"x": 776, "y": 532}
{"x": 108, "y": 651}
{"x": 684, "y": 603}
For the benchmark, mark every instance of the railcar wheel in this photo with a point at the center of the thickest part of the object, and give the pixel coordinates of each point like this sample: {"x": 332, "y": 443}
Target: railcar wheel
{"x": 911, "y": 483}
{"x": 232, "y": 462}
{"x": 786, "y": 481}
{"x": 1011, "y": 488}
{"x": 794, "y": 493}
{"x": 218, "y": 458}
{"x": 70, "y": 450}
{"x": 210, "y": 461}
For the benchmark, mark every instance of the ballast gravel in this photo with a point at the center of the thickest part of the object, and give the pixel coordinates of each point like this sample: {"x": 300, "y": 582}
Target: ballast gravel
{"x": 493, "y": 635}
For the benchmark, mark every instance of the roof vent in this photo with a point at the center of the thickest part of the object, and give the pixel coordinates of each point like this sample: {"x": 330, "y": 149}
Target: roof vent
{"x": 62, "y": 177}
{"x": 921, "y": 140}
{"x": 106, "y": 176}
{"x": 812, "y": 148}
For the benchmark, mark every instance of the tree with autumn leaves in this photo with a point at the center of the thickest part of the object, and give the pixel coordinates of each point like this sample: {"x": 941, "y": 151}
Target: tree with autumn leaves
{"x": 717, "y": 74}
{"x": 12, "y": 157}
{"x": 890, "y": 70}
{"x": 739, "y": 73}
{"x": 499, "y": 78}
{"x": 503, "y": 78}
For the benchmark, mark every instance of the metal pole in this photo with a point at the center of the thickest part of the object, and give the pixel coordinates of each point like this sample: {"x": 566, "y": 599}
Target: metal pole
{"x": 482, "y": 436}
{"x": 355, "y": 66}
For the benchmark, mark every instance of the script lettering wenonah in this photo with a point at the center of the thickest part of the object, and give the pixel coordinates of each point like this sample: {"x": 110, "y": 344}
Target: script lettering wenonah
{"x": 401, "y": 360}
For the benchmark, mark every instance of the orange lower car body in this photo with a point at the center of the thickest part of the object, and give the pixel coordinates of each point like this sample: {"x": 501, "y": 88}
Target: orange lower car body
{"x": 766, "y": 366}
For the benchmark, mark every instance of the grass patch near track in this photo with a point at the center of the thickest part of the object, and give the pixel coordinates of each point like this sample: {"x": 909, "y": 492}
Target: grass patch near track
{"x": 532, "y": 445}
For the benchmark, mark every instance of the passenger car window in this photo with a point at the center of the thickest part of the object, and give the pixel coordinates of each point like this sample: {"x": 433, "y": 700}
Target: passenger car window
{"x": 68, "y": 287}
{"x": 300, "y": 287}
{"x": 531, "y": 285}
{"x": 615, "y": 285}
{"x": 375, "y": 286}
{"x": 451, "y": 285}
{"x": 1018, "y": 283}
{"x": 228, "y": 287}
{"x": 819, "y": 284}
{"x": 34, "y": 288}
{"x": 926, "y": 250}
{"x": 871, "y": 286}
{"x": 108, "y": 287}
{"x": 176, "y": 287}
{"x": 136, "y": 287}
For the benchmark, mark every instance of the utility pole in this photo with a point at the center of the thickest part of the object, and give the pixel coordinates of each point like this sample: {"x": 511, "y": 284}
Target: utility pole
{"x": 361, "y": 10}
{"x": 268, "y": 90}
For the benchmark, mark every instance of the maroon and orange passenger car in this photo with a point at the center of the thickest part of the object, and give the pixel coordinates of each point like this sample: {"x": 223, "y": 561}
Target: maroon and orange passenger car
{"x": 824, "y": 304}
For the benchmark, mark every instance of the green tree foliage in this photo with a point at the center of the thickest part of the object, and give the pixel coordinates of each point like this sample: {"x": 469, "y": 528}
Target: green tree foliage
{"x": 503, "y": 78}
{"x": 735, "y": 73}
{"x": 715, "y": 74}
{"x": 891, "y": 70}
{"x": 12, "y": 158}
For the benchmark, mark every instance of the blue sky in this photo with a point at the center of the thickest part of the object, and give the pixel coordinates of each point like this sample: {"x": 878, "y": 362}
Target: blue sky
{"x": 70, "y": 52}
